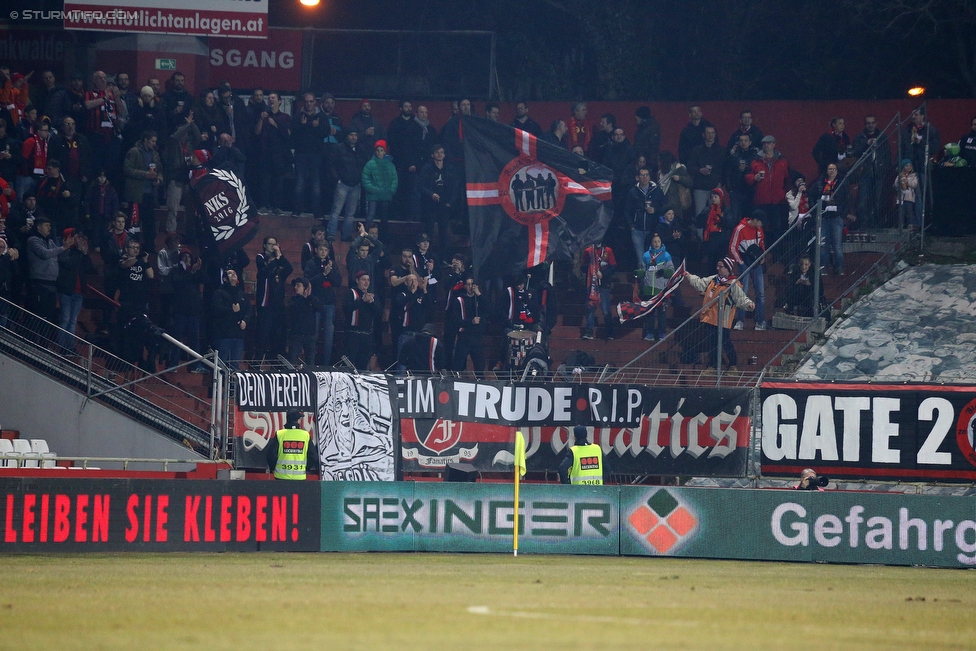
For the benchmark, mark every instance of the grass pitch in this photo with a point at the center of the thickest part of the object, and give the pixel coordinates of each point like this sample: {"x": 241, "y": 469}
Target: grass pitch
{"x": 473, "y": 601}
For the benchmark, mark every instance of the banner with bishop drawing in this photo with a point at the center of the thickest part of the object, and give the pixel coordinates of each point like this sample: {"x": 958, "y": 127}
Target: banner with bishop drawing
{"x": 350, "y": 416}
{"x": 357, "y": 427}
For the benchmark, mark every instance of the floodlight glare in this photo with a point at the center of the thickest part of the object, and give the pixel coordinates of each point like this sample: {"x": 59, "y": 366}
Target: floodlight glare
{"x": 916, "y": 91}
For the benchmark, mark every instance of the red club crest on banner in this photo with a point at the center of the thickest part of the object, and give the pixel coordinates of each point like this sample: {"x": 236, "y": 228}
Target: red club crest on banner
{"x": 528, "y": 200}
{"x": 437, "y": 435}
{"x": 966, "y": 432}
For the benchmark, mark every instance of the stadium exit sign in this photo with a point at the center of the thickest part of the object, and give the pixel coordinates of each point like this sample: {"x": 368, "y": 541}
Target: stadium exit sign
{"x": 165, "y": 64}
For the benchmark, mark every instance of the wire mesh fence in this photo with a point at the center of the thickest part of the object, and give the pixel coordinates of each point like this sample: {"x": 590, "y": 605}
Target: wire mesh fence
{"x": 832, "y": 241}
{"x": 396, "y": 64}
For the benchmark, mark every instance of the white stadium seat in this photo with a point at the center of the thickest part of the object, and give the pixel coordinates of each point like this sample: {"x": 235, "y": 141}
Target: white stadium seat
{"x": 39, "y": 447}
{"x": 22, "y": 447}
{"x": 6, "y": 449}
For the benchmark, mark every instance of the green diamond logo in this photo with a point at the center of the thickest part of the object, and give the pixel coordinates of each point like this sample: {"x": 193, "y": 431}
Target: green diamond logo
{"x": 662, "y": 503}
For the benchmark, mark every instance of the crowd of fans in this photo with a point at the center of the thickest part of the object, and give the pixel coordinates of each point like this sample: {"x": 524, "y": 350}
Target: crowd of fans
{"x": 83, "y": 171}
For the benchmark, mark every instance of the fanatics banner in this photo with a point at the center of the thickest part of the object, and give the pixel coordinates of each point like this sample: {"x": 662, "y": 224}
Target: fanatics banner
{"x": 529, "y": 201}
{"x": 643, "y": 430}
{"x": 870, "y": 431}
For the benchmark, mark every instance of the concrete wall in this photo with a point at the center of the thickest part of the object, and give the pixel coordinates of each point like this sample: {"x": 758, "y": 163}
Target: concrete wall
{"x": 42, "y": 408}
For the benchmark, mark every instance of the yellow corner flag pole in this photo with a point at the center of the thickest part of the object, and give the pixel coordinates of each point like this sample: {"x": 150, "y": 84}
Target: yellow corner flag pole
{"x": 519, "y": 472}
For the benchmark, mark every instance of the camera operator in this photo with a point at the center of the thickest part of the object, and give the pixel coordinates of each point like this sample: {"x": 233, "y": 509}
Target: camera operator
{"x": 811, "y": 481}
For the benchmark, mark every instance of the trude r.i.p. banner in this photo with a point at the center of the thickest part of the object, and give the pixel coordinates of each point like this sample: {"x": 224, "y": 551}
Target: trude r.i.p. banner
{"x": 642, "y": 430}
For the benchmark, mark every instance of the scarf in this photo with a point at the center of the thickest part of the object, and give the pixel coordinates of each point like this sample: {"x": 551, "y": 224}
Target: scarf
{"x": 664, "y": 179}
{"x": 829, "y": 188}
{"x": 424, "y": 126}
{"x": 714, "y": 223}
{"x": 842, "y": 140}
{"x": 655, "y": 254}
{"x": 40, "y": 155}
{"x": 103, "y": 119}
{"x": 45, "y": 187}
{"x": 917, "y": 133}
{"x": 593, "y": 298}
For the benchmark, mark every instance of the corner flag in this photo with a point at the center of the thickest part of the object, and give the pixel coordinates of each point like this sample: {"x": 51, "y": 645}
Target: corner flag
{"x": 519, "y": 472}
{"x": 520, "y": 454}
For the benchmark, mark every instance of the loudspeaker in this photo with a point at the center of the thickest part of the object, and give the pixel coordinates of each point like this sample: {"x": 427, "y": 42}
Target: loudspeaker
{"x": 460, "y": 472}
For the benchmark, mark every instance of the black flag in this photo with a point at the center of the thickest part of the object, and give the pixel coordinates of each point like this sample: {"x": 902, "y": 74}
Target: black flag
{"x": 226, "y": 220}
{"x": 529, "y": 201}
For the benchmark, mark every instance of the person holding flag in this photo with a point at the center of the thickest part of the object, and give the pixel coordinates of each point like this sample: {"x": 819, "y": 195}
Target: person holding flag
{"x": 723, "y": 287}
{"x": 628, "y": 311}
{"x": 584, "y": 463}
{"x": 598, "y": 266}
{"x": 656, "y": 269}
{"x": 645, "y": 205}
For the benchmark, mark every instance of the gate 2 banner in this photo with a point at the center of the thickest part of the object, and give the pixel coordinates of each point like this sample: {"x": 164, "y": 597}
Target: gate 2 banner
{"x": 889, "y": 432}
{"x": 85, "y": 515}
{"x": 701, "y": 432}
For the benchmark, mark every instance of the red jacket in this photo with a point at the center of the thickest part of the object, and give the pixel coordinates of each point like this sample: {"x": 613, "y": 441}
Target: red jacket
{"x": 773, "y": 186}
{"x": 743, "y": 237}
{"x": 5, "y": 201}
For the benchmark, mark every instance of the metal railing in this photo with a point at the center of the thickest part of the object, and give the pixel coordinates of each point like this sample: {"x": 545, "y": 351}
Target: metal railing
{"x": 49, "y": 462}
{"x": 160, "y": 400}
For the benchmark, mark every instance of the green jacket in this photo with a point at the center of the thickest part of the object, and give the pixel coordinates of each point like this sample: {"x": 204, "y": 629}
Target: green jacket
{"x": 380, "y": 179}
{"x": 135, "y": 169}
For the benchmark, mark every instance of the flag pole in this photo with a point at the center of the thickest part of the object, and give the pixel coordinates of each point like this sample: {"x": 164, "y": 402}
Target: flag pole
{"x": 515, "y": 528}
{"x": 519, "y": 463}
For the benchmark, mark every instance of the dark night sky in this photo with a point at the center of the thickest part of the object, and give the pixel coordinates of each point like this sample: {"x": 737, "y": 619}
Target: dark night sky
{"x": 658, "y": 50}
{"x": 710, "y": 49}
